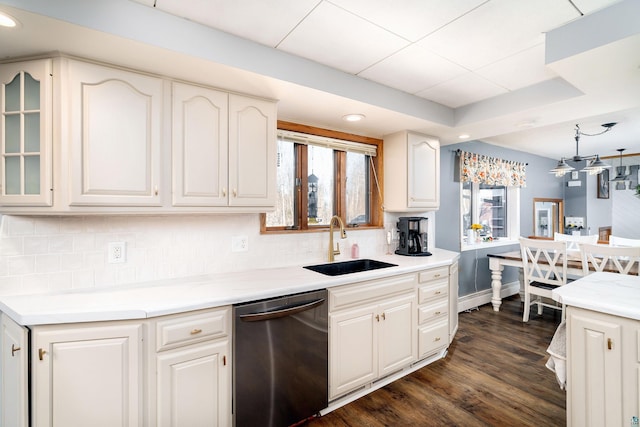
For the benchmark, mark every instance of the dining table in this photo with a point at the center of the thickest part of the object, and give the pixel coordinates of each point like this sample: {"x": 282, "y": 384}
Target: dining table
{"x": 497, "y": 262}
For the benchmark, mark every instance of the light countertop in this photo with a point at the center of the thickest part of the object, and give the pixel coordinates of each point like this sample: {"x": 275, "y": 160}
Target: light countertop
{"x": 150, "y": 299}
{"x": 609, "y": 293}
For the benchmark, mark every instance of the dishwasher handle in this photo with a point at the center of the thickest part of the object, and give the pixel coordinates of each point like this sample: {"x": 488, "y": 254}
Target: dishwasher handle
{"x": 287, "y": 310}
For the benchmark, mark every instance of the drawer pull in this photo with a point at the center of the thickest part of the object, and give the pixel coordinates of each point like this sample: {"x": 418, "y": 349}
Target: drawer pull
{"x": 196, "y": 331}
{"x": 14, "y": 349}
{"x": 436, "y": 275}
{"x": 383, "y": 317}
{"x": 437, "y": 292}
{"x": 41, "y": 353}
{"x": 437, "y": 313}
{"x": 377, "y": 318}
{"x": 436, "y": 339}
{"x": 224, "y": 360}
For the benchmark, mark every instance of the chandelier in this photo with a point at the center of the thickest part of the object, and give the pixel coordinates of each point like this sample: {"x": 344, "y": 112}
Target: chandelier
{"x": 594, "y": 164}
{"x": 620, "y": 170}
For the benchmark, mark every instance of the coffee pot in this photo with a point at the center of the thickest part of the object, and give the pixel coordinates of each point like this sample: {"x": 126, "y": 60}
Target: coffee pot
{"x": 412, "y": 232}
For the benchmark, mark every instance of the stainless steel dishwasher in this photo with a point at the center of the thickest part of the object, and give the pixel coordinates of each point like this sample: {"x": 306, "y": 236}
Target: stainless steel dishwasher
{"x": 280, "y": 370}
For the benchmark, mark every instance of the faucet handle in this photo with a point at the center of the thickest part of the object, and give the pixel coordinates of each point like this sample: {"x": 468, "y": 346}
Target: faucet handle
{"x": 337, "y": 251}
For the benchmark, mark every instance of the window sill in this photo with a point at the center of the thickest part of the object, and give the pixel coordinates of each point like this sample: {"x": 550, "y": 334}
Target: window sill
{"x": 485, "y": 245}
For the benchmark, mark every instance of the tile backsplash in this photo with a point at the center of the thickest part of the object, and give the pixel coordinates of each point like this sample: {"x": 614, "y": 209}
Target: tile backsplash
{"x": 40, "y": 254}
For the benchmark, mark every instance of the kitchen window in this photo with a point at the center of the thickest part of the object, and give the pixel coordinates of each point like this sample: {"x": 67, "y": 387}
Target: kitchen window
{"x": 321, "y": 173}
{"x": 495, "y": 208}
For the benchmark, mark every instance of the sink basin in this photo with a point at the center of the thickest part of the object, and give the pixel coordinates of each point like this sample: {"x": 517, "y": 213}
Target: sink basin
{"x": 347, "y": 267}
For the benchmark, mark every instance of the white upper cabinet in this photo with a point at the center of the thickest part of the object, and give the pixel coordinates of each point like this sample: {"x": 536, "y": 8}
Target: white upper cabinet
{"x": 412, "y": 172}
{"x": 224, "y": 148}
{"x": 96, "y": 138}
{"x": 26, "y": 108}
{"x": 199, "y": 146}
{"x": 252, "y": 152}
{"x": 115, "y": 130}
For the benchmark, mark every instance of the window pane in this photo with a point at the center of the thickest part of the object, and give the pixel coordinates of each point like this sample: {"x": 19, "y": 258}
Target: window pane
{"x": 12, "y": 133}
{"x": 12, "y": 95}
{"x": 32, "y": 133}
{"x": 31, "y": 174}
{"x": 357, "y": 189}
{"x": 12, "y": 175}
{"x": 466, "y": 206}
{"x": 284, "y": 214}
{"x": 31, "y": 93}
{"x": 493, "y": 209}
{"x": 321, "y": 168}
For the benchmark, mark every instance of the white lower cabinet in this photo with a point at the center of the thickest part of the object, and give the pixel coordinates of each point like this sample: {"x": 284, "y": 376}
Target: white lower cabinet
{"x": 167, "y": 371}
{"x": 603, "y": 360}
{"x": 371, "y": 334}
{"x": 14, "y": 374}
{"x": 433, "y": 308}
{"x": 87, "y": 375}
{"x": 190, "y": 372}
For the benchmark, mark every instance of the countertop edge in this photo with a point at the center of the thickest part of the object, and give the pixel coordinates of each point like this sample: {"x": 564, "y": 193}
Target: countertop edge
{"x": 140, "y": 301}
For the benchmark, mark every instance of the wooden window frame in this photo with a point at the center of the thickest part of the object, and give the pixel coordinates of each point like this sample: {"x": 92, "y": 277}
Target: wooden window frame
{"x": 376, "y": 189}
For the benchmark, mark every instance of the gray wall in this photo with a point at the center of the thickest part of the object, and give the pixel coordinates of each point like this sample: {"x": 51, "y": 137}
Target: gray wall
{"x": 474, "y": 265}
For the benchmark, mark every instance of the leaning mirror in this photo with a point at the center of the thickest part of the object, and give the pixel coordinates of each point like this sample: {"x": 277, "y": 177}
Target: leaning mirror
{"x": 547, "y": 217}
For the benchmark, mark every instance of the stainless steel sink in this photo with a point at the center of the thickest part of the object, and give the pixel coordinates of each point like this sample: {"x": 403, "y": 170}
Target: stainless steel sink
{"x": 347, "y": 267}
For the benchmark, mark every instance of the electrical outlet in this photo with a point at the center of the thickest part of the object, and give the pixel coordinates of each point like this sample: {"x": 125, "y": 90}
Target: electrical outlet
{"x": 117, "y": 252}
{"x": 239, "y": 244}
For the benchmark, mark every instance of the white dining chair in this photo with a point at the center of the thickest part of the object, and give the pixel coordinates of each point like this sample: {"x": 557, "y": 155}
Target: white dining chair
{"x": 623, "y": 241}
{"x": 544, "y": 265}
{"x": 574, "y": 242}
{"x": 618, "y": 259}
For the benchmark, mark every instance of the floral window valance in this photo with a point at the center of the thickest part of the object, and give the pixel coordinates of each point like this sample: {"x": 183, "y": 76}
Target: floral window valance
{"x": 491, "y": 170}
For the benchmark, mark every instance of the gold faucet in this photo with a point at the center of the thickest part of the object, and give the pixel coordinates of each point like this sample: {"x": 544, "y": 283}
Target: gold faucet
{"x": 343, "y": 235}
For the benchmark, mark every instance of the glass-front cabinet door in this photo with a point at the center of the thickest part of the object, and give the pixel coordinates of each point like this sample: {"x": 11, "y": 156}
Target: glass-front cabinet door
{"x": 26, "y": 132}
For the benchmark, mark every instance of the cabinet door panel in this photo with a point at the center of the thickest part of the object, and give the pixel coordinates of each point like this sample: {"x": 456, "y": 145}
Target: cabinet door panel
{"x": 87, "y": 376}
{"x": 423, "y": 172}
{"x": 353, "y": 357}
{"x": 194, "y": 386}
{"x": 398, "y": 340}
{"x": 199, "y": 145}
{"x": 252, "y": 152}
{"x": 26, "y": 109}
{"x": 595, "y": 375}
{"x": 115, "y": 136}
{"x": 14, "y": 374}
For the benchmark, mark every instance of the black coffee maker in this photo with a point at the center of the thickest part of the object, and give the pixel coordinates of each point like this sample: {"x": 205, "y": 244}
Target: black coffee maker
{"x": 412, "y": 239}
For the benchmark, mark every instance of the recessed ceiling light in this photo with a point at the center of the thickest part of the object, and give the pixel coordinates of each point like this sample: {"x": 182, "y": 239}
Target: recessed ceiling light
{"x": 463, "y": 136}
{"x": 7, "y": 21}
{"x": 353, "y": 117}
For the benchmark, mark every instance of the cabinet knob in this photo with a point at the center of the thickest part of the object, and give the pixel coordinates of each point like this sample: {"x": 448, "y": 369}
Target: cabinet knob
{"x": 41, "y": 353}
{"x": 14, "y": 349}
{"x": 196, "y": 331}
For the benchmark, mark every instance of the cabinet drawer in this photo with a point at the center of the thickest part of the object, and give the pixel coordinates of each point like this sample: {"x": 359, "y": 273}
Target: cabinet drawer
{"x": 434, "y": 290}
{"x": 432, "y": 337}
{"x": 344, "y": 296}
{"x": 433, "y": 274}
{"x": 433, "y": 311}
{"x": 187, "y": 329}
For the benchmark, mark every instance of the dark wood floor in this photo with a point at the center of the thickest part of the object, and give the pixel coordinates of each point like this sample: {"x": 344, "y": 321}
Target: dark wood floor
{"x": 493, "y": 375}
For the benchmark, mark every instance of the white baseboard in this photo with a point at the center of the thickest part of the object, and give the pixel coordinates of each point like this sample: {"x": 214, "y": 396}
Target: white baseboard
{"x": 477, "y": 299}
